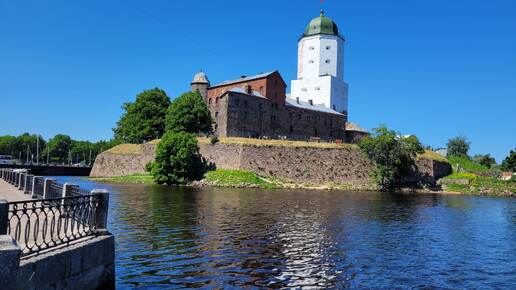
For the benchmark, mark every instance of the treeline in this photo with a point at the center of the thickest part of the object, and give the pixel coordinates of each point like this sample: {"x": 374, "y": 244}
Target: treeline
{"x": 458, "y": 154}
{"x": 61, "y": 149}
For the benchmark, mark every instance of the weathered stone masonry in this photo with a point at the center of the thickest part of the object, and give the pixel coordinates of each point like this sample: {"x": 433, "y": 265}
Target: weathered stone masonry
{"x": 345, "y": 164}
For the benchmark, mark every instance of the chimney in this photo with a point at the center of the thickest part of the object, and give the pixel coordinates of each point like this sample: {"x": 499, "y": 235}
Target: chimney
{"x": 249, "y": 90}
{"x": 297, "y": 100}
{"x": 311, "y": 102}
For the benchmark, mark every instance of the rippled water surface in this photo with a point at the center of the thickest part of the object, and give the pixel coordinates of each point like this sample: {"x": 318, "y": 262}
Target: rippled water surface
{"x": 170, "y": 237}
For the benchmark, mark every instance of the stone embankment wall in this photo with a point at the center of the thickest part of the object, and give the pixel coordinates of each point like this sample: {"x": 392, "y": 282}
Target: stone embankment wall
{"x": 346, "y": 164}
{"x": 85, "y": 265}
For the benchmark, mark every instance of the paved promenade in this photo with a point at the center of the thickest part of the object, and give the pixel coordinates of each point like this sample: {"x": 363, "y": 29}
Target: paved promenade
{"x": 10, "y": 193}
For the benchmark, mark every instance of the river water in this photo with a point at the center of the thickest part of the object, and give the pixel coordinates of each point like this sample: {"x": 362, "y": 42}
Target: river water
{"x": 169, "y": 237}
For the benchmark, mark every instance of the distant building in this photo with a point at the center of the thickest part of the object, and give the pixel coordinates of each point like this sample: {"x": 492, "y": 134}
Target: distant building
{"x": 259, "y": 107}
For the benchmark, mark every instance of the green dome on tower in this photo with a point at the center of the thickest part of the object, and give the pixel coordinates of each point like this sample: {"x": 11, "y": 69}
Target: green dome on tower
{"x": 321, "y": 25}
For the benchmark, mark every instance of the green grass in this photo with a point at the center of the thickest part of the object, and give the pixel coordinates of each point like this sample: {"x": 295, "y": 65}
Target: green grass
{"x": 228, "y": 177}
{"x": 466, "y": 164}
{"x": 134, "y": 178}
{"x": 462, "y": 175}
{"x": 428, "y": 154}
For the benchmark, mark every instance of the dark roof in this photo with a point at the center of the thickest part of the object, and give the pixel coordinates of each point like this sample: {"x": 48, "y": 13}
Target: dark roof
{"x": 248, "y": 78}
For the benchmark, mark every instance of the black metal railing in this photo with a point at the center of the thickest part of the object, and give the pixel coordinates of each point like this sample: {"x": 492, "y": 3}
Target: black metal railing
{"x": 28, "y": 184}
{"x": 55, "y": 190}
{"x": 39, "y": 185}
{"x": 66, "y": 214}
{"x": 77, "y": 191}
{"x": 38, "y": 225}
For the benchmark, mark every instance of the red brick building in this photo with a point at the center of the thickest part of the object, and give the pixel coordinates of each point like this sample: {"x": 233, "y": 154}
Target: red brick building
{"x": 258, "y": 107}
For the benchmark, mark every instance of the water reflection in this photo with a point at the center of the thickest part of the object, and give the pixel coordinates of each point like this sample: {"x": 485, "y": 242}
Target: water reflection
{"x": 186, "y": 238}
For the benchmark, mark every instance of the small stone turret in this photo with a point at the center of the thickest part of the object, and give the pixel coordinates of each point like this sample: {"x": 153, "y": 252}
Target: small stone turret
{"x": 201, "y": 84}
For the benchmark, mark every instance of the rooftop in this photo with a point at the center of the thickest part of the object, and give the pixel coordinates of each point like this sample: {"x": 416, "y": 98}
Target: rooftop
{"x": 244, "y": 79}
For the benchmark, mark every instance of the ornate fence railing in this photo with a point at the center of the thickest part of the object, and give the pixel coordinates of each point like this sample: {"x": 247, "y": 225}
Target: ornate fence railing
{"x": 66, "y": 214}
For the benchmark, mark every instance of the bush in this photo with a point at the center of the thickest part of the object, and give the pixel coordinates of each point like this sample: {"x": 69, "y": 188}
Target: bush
{"x": 393, "y": 155}
{"x": 178, "y": 160}
{"x": 189, "y": 113}
{"x": 214, "y": 140}
{"x": 148, "y": 167}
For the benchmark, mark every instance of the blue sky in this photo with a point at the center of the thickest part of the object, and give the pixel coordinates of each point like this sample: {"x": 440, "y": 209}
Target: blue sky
{"x": 435, "y": 68}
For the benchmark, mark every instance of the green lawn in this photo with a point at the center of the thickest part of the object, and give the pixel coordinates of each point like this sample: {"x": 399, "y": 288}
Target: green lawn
{"x": 228, "y": 177}
{"x": 134, "y": 178}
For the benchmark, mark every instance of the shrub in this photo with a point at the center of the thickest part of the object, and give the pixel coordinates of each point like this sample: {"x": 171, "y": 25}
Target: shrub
{"x": 148, "y": 167}
{"x": 178, "y": 160}
{"x": 214, "y": 140}
{"x": 393, "y": 155}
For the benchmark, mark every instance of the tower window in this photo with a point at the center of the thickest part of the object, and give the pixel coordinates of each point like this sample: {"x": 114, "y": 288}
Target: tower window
{"x": 311, "y": 48}
{"x": 317, "y": 88}
{"x": 327, "y": 61}
{"x": 311, "y": 61}
{"x": 303, "y": 89}
{"x": 328, "y": 47}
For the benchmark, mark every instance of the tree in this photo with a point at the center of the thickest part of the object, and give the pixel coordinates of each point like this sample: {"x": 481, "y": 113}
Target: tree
{"x": 458, "y": 146}
{"x": 509, "y": 163}
{"x": 484, "y": 160}
{"x": 59, "y": 148}
{"x": 143, "y": 120}
{"x": 189, "y": 113}
{"x": 393, "y": 155}
{"x": 178, "y": 160}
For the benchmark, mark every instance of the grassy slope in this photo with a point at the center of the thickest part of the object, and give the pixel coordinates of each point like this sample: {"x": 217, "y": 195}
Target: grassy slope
{"x": 134, "y": 178}
{"x": 465, "y": 164}
{"x": 228, "y": 177}
{"x": 464, "y": 168}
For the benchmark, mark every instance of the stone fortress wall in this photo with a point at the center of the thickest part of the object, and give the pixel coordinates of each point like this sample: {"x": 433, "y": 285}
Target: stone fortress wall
{"x": 344, "y": 164}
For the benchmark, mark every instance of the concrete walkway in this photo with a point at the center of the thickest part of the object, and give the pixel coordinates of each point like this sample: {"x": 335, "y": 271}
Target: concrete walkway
{"x": 10, "y": 193}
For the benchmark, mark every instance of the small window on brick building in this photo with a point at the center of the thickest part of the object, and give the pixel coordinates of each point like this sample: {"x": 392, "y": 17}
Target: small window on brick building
{"x": 299, "y": 116}
{"x": 245, "y": 103}
{"x": 245, "y": 115}
{"x": 215, "y": 127}
{"x": 291, "y": 129}
{"x": 209, "y": 101}
{"x": 261, "y": 90}
{"x": 259, "y": 106}
{"x": 276, "y": 82}
{"x": 237, "y": 102}
{"x": 216, "y": 100}
{"x": 216, "y": 114}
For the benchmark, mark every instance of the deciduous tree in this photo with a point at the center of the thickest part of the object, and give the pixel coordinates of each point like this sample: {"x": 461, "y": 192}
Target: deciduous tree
{"x": 143, "y": 120}
{"x": 189, "y": 113}
{"x": 392, "y": 154}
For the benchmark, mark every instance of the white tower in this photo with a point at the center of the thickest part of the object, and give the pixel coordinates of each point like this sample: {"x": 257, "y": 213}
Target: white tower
{"x": 320, "y": 66}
